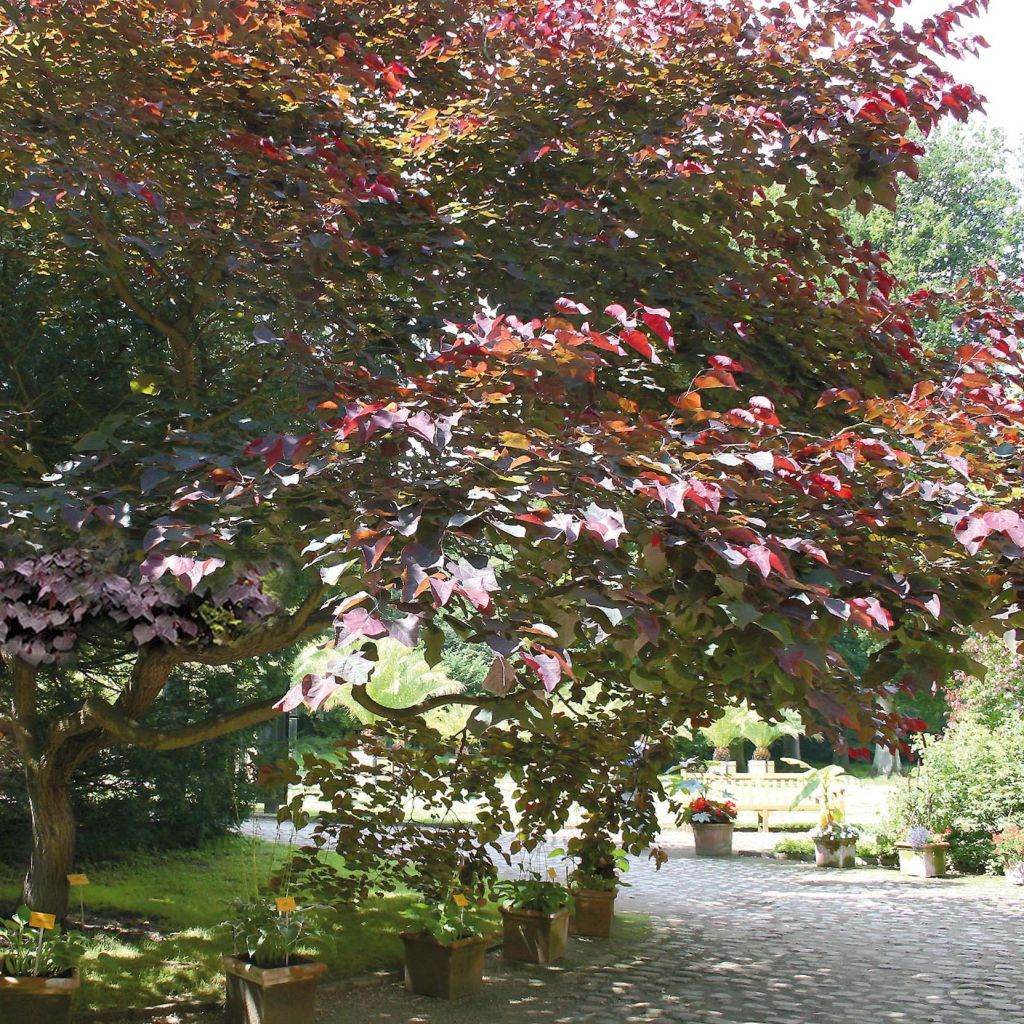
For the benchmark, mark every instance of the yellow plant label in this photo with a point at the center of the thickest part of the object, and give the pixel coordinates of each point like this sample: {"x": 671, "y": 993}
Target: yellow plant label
{"x": 78, "y": 879}
{"x": 46, "y": 921}
{"x": 285, "y": 904}
{"x": 460, "y": 901}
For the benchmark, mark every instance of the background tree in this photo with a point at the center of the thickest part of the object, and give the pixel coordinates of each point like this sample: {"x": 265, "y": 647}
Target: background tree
{"x": 266, "y": 229}
{"x": 964, "y": 208}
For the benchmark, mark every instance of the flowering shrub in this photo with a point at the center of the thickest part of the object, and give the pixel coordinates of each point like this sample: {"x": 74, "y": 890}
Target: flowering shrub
{"x": 1009, "y": 846}
{"x": 972, "y": 778}
{"x": 835, "y": 831}
{"x": 703, "y": 811}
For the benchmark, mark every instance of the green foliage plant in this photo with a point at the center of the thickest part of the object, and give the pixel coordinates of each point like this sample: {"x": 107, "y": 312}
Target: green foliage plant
{"x": 266, "y": 937}
{"x": 764, "y": 733}
{"x": 826, "y": 785}
{"x": 725, "y": 731}
{"x": 23, "y": 955}
{"x": 597, "y": 863}
{"x": 795, "y": 848}
{"x": 453, "y": 916}
{"x": 534, "y": 892}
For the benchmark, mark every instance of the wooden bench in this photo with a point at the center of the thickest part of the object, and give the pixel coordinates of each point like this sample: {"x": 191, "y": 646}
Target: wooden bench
{"x": 764, "y": 795}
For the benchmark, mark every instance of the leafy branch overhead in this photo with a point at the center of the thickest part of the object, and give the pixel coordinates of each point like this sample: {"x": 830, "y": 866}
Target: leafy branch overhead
{"x": 689, "y": 436}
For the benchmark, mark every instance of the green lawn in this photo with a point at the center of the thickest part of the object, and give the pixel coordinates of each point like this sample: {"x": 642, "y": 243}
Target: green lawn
{"x": 185, "y": 897}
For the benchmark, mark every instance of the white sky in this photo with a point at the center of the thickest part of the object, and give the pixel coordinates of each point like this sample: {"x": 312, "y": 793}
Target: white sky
{"x": 998, "y": 73}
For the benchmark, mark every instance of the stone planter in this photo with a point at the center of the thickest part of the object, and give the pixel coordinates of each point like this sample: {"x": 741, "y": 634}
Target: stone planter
{"x": 755, "y": 767}
{"x": 271, "y": 995}
{"x": 532, "y": 937}
{"x": 37, "y": 1000}
{"x": 595, "y": 909}
{"x": 444, "y": 972}
{"x": 928, "y": 861}
{"x": 835, "y": 853}
{"x": 713, "y": 840}
{"x": 1015, "y": 873}
{"x": 722, "y": 767}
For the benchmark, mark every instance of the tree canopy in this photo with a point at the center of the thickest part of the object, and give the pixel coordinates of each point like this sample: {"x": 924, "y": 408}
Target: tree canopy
{"x": 534, "y": 321}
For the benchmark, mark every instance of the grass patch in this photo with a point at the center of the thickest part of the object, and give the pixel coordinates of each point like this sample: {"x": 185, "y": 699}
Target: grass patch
{"x": 185, "y": 897}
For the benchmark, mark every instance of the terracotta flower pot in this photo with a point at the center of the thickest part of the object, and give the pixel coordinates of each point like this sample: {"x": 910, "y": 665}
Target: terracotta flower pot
{"x": 713, "y": 840}
{"x": 444, "y": 971}
{"x": 532, "y": 937}
{"x": 595, "y": 910}
{"x": 271, "y": 995}
{"x": 835, "y": 853}
{"x": 37, "y": 1000}
{"x": 928, "y": 861}
{"x": 1015, "y": 873}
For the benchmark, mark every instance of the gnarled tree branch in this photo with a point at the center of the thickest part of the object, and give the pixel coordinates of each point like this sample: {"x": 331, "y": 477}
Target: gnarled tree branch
{"x": 277, "y": 633}
{"x": 365, "y": 701}
{"x": 125, "y": 730}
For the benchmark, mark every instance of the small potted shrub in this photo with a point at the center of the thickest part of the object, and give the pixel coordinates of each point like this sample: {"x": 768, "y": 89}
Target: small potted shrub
{"x": 40, "y": 971}
{"x": 712, "y": 823}
{"x": 594, "y": 883}
{"x": 763, "y": 734}
{"x": 267, "y": 983}
{"x": 721, "y": 734}
{"x": 835, "y": 843}
{"x": 923, "y": 854}
{"x": 444, "y": 957}
{"x": 535, "y": 918}
{"x": 1009, "y": 851}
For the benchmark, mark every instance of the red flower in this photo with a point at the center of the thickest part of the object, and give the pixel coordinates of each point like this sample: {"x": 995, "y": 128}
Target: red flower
{"x": 860, "y": 753}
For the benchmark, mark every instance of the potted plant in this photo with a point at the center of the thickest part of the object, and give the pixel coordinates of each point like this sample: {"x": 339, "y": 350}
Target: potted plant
{"x": 267, "y": 983}
{"x": 444, "y": 957}
{"x": 40, "y": 969}
{"x": 722, "y": 734}
{"x": 1009, "y": 852}
{"x": 763, "y": 734}
{"x": 711, "y": 820}
{"x": 535, "y": 918}
{"x": 594, "y": 883}
{"x": 835, "y": 843}
{"x": 835, "y": 840}
{"x": 923, "y": 854}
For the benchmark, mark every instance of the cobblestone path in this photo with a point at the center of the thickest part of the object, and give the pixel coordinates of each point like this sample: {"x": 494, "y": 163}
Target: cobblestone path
{"x": 752, "y": 941}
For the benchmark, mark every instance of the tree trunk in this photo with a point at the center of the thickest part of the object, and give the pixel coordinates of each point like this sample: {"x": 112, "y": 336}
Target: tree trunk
{"x": 886, "y": 762}
{"x": 53, "y": 842}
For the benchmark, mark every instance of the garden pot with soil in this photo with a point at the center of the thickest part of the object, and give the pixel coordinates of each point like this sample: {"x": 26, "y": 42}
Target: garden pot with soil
{"x": 835, "y": 853}
{"x": 713, "y": 840}
{"x": 442, "y": 971}
{"x": 926, "y": 861}
{"x": 593, "y": 913}
{"x": 30, "y": 1000}
{"x": 533, "y": 937}
{"x": 271, "y": 995}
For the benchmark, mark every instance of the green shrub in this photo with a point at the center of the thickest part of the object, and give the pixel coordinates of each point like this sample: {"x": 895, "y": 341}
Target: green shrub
{"x": 971, "y": 782}
{"x": 795, "y": 848}
{"x": 869, "y": 851}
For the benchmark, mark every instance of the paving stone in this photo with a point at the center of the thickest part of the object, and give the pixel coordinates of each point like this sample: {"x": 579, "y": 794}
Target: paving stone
{"x": 753, "y": 941}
